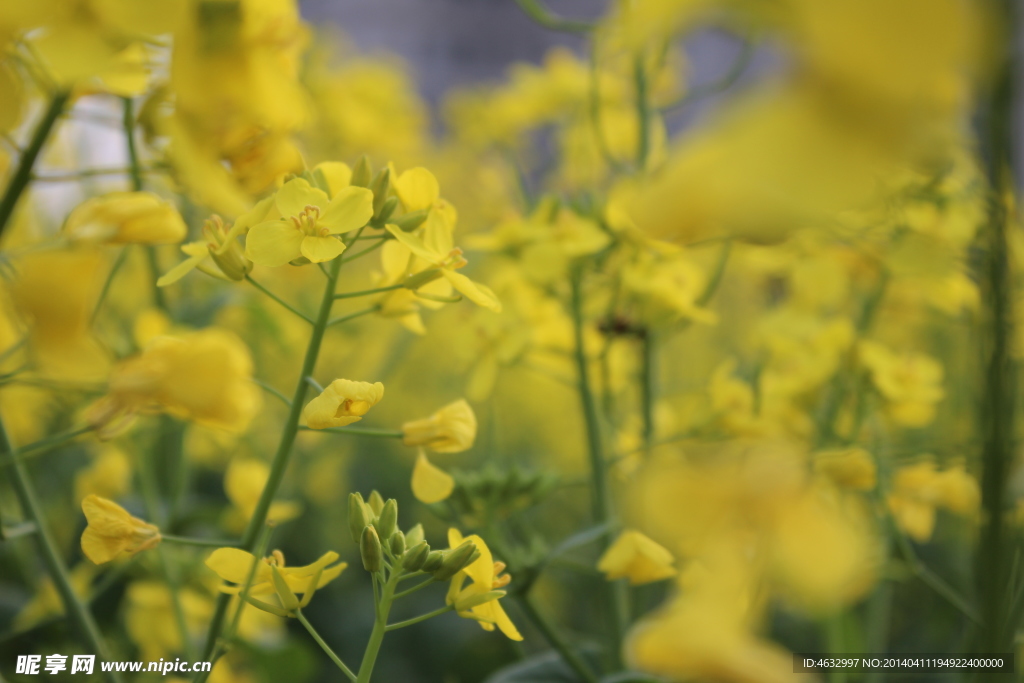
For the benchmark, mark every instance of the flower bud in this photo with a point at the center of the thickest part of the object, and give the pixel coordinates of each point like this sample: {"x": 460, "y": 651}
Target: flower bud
{"x": 416, "y": 556}
{"x": 478, "y": 599}
{"x": 386, "y": 209}
{"x": 414, "y": 535}
{"x": 397, "y": 543}
{"x": 370, "y": 550}
{"x": 358, "y": 517}
{"x": 376, "y": 503}
{"x": 387, "y": 518}
{"x": 380, "y": 186}
{"x": 456, "y": 560}
{"x": 411, "y": 220}
{"x": 362, "y": 173}
{"x": 433, "y": 561}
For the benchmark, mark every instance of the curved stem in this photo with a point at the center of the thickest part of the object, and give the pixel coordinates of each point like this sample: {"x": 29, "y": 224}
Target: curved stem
{"x": 284, "y": 447}
{"x": 23, "y": 173}
{"x": 540, "y": 14}
{"x": 350, "y": 316}
{"x": 551, "y": 634}
{"x": 73, "y": 606}
{"x": 418, "y": 586}
{"x": 271, "y": 390}
{"x": 323, "y": 646}
{"x": 121, "y": 258}
{"x": 278, "y": 299}
{"x": 423, "y": 617}
{"x": 43, "y": 445}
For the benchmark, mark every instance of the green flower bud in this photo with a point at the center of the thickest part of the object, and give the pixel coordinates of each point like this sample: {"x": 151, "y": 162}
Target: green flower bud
{"x": 411, "y": 220}
{"x": 478, "y": 599}
{"x": 414, "y": 536}
{"x": 416, "y": 556}
{"x": 380, "y": 186}
{"x": 387, "y": 519}
{"x": 362, "y": 173}
{"x": 376, "y": 503}
{"x": 387, "y": 208}
{"x": 397, "y": 543}
{"x": 284, "y": 592}
{"x": 433, "y": 561}
{"x": 370, "y": 550}
{"x": 358, "y": 516}
{"x": 455, "y": 560}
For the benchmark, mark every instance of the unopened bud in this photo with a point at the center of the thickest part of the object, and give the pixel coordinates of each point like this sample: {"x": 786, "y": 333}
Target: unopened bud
{"x": 414, "y": 535}
{"x": 411, "y": 220}
{"x": 416, "y": 556}
{"x": 456, "y": 560}
{"x": 380, "y": 186}
{"x": 433, "y": 561}
{"x": 387, "y": 518}
{"x": 358, "y": 518}
{"x": 362, "y": 173}
{"x": 232, "y": 262}
{"x": 386, "y": 209}
{"x": 370, "y": 550}
{"x": 397, "y": 543}
{"x": 376, "y": 503}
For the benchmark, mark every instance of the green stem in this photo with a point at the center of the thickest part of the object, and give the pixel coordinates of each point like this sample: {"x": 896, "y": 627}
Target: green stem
{"x": 121, "y": 258}
{"x": 423, "y": 617}
{"x": 643, "y": 113}
{"x": 74, "y": 607}
{"x": 320, "y": 641}
{"x": 380, "y": 626}
{"x": 284, "y": 447}
{"x": 648, "y": 386}
{"x": 359, "y": 431}
{"x": 273, "y": 391}
{"x": 551, "y": 634}
{"x": 617, "y": 598}
{"x": 418, "y": 586}
{"x": 279, "y": 300}
{"x": 539, "y": 14}
{"x": 350, "y": 316}
{"x": 43, "y": 445}
{"x": 356, "y": 255}
{"x": 23, "y": 173}
{"x": 368, "y": 292}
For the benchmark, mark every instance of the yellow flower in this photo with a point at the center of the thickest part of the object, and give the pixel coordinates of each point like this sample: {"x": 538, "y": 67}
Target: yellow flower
{"x": 343, "y": 402}
{"x": 451, "y": 429}
{"x": 910, "y": 382}
{"x": 205, "y": 376}
{"x": 219, "y": 246}
{"x": 150, "y": 621}
{"x": 244, "y": 482}
{"x": 638, "y": 558}
{"x": 430, "y": 484}
{"x": 233, "y": 565}
{"x": 113, "y": 532}
{"x": 47, "y": 601}
{"x": 126, "y": 218}
{"x": 433, "y": 243}
{"x": 486, "y": 578}
{"x": 309, "y": 221}
{"x": 919, "y": 489}
{"x": 852, "y": 468}
{"x": 417, "y": 188}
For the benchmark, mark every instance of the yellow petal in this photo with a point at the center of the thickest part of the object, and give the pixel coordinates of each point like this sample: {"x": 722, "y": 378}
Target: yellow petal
{"x": 350, "y": 210}
{"x": 182, "y": 269}
{"x": 417, "y": 188}
{"x": 479, "y": 294}
{"x": 415, "y": 244}
{"x": 320, "y": 249}
{"x": 234, "y": 564}
{"x": 273, "y": 243}
{"x": 430, "y": 484}
{"x": 295, "y": 195}
{"x": 337, "y": 174}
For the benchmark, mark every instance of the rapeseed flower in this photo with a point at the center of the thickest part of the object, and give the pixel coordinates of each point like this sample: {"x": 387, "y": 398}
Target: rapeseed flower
{"x": 479, "y": 600}
{"x": 451, "y": 429}
{"x": 112, "y": 532}
{"x": 126, "y": 218}
{"x": 343, "y": 402}
{"x": 233, "y": 565}
{"x": 636, "y": 557}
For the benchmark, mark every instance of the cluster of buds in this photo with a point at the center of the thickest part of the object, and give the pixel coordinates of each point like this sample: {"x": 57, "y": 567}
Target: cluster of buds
{"x": 497, "y": 491}
{"x": 373, "y": 524}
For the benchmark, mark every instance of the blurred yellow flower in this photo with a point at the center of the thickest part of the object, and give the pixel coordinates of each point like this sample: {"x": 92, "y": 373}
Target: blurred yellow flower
{"x": 851, "y": 468}
{"x": 150, "y": 621}
{"x": 910, "y": 382}
{"x": 113, "y": 532}
{"x": 126, "y": 218}
{"x": 343, "y": 402}
{"x": 450, "y": 430}
{"x": 486, "y": 579}
{"x": 636, "y": 557}
{"x": 919, "y": 489}
{"x": 309, "y": 220}
{"x": 244, "y": 481}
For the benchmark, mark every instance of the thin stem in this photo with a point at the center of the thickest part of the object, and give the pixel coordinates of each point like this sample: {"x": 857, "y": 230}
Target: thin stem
{"x": 271, "y": 390}
{"x": 380, "y": 625}
{"x": 121, "y": 258}
{"x": 551, "y": 634}
{"x": 423, "y": 617}
{"x": 600, "y": 493}
{"x": 350, "y": 316}
{"x": 23, "y": 173}
{"x": 359, "y": 431}
{"x": 356, "y": 255}
{"x": 43, "y": 445}
{"x": 368, "y": 292}
{"x": 418, "y": 586}
{"x": 701, "y": 91}
{"x": 278, "y": 299}
{"x": 74, "y": 607}
{"x": 542, "y": 16}
{"x": 643, "y": 113}
{"x": 284, "y": 447}
{"x": 933, "y": 580}
{"x": 648, "y": 386}
{"x": 314, "y": 384}
{"x": 320, "y": 641}
{"x": 205, "y": 542}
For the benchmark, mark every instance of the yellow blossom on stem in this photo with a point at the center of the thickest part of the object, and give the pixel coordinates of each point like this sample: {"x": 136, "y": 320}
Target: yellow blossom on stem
{"x": 486, "y": 580}
{"x": 343, "y": 402}
{"x": 918, "y": 490}
{"x": 113, "y": 532}
{"x": 851, "y": 468}
{"x": 910, "y": 382}
{"x": 451, "y": 429}
{"x": 126, "y": 218}
{"x": 636, "y": 557}
{"x": 233, "y": 565}
{"x": 308, "y": 224}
